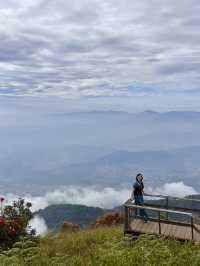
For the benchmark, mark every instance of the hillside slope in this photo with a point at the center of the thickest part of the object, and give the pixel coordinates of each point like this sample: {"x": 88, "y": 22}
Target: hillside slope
{"x": 55, "y": 215}
{"x": 102, "y": 247}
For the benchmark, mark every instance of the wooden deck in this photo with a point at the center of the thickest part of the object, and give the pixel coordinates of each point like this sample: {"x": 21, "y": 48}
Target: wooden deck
{"x": 175, "y": 222}
{"x": 169, "y": 230}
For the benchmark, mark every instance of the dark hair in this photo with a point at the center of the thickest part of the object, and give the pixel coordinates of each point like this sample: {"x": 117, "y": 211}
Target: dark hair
{"x": 138, "y": 176}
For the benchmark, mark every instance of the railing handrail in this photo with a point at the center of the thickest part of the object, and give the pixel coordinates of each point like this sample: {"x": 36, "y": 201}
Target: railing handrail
{"x": 157, "y": 209}
{"x": 170, "y": 197}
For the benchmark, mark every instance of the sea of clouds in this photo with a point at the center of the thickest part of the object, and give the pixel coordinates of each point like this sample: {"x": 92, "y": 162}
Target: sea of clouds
{"x": 107, "y": 197}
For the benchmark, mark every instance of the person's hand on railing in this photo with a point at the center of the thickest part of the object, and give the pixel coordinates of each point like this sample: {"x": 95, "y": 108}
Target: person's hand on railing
{"x": 130, "y": 200}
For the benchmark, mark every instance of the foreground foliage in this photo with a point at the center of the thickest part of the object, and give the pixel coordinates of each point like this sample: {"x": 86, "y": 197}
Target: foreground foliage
{"x": 101, "y": 247}
{"x": 14, "y": 221}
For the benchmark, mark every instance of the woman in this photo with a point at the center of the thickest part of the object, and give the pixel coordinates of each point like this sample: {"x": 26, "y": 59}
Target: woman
{"x": 137, "y": 195}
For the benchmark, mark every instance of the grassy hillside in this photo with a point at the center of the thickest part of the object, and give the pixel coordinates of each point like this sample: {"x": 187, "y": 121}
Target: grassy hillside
{"x": 101, "y": 247}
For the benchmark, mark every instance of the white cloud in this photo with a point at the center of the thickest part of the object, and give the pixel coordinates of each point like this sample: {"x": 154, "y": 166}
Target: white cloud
{"x": 98, "y": 48}
{"x": 176, "y": 189}
{"x": 38, "y": 223}
{"x": 104, "y": 198}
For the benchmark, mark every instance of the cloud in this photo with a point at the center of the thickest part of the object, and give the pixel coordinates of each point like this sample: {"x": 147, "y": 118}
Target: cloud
{"x": 90, "y": 196}
{"x": 107, "y": 197}
{"x": 176, "y": 189}
{"x": 38, "y": 223}
{"x": 98, "y": 48}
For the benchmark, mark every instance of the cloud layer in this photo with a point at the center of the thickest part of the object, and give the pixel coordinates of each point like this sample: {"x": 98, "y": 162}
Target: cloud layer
{"x": 99, "y": 48}
{"x": 107, "y": 197}
{"x": 176, "y": 189}
{"x": 39, "y": 224}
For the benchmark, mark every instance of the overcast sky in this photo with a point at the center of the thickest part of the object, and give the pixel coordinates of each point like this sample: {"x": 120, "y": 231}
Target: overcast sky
{"x": 98, "y": 54}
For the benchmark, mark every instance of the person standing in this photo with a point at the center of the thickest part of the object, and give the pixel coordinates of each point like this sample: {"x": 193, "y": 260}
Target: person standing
{"x": 137, "y": 195}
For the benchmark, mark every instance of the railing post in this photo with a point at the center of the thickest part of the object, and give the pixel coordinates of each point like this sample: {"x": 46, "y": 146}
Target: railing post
{"x": 126, "y": 224}
{"x": 192, "y": 227}
{"x": 159, "y": 222}
{"x": 167, "y": 205}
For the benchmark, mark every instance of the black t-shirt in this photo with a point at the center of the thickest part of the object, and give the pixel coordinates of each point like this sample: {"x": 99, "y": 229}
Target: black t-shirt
{"x": 138, "y": 188}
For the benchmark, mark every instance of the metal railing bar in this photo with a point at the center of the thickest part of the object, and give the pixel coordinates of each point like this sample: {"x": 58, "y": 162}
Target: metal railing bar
{"x": 157, "y": 209}
{"x": 159, "y": 223}
{"x": 168, "y": 221}
{"x": 173, "y": 207}
{"x": 192, "y": 227}
{"x": 170, "y": 197}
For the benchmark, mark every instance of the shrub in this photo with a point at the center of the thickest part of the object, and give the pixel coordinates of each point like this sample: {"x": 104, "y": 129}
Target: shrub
{"x": 68, "y": 226}
{"x": 109, "y": 218}
{"x": 14, "y": 221}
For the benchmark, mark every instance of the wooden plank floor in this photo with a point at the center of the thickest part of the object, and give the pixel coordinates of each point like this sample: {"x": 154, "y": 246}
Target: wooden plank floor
{"x": 175, "y": 231}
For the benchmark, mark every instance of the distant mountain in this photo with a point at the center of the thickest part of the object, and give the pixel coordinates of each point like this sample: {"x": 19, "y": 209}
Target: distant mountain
{"x": 150, "y": 113}
{"x": 55, "y": 215}
{"x": 101, "y": 148}
{"x": 172, "y": 114}
{"x": 118, "y": 167}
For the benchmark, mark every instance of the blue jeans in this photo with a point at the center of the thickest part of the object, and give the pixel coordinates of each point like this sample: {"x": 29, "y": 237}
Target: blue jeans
{"x": 142, "y": 212}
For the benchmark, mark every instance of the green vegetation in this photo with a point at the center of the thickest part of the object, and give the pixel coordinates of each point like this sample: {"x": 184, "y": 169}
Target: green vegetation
{"x": 104, "y": 246}
{"x": 54, "y": 215}
{"x": 14, "y": 220}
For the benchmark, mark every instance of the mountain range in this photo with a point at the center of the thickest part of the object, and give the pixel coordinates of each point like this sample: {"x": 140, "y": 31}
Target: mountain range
{"x": 120, "y": 166}
{"x": 101, "y": 148}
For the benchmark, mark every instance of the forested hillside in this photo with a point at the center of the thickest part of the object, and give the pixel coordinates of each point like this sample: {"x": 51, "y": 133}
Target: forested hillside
{"x": 55, "y": 215}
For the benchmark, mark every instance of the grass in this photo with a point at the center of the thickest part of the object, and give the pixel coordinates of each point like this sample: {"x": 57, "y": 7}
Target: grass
{"x": 101, "y": 247}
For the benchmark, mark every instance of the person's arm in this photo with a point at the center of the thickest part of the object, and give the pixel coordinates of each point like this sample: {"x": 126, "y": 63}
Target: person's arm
{"x": 143, "y": 189}
{"x": 145, "y": 194}
{"x": 132, "y": 194}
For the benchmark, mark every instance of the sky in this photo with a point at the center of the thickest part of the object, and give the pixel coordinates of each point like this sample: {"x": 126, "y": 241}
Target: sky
{"x": 99, "y": 54}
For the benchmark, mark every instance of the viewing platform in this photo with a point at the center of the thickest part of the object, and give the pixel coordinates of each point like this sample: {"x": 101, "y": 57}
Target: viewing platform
{"x": 174, "y": 217}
